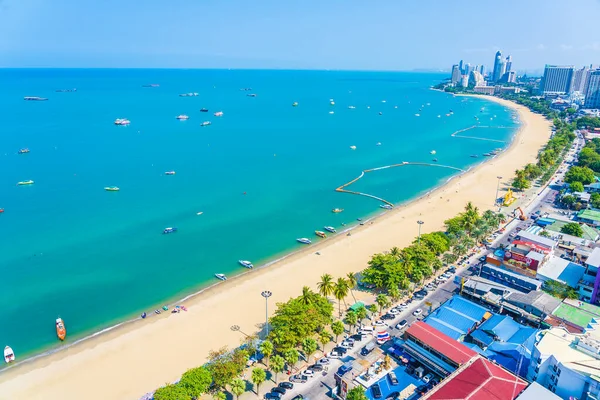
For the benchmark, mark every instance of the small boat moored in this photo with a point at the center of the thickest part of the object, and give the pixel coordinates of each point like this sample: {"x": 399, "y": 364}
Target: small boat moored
{"x": 246, "y": 264}
{"x": 474, "y": 155}
{"x": 34, "y": 98}
{"x": 386, "y": 206}
{"x": 61, "y": 330}
{"x": 169, "y": 230}
{"x": 295, "y": 104}
{"x": 221, "y": 277}
{"x": 143, "y": 315}
{"x": 218, "y": 114}
{"x": 9, "y": 355}
{"x": 23, "y": 151}
{"x": 205, "y": 123}
{"x": 25, "y": 183}
{"x": 112, "y": 189}
{"x": 122, "y": 121}
{"x": 182, "y": 117}
{"x": 337, "y": 210}
{"x": 321, "y": 234}
{"x": 170, "y": 173}
{"x": 304, "y": 241}
{"x": 329, "y": 229}
{"x": 204, "y": 110}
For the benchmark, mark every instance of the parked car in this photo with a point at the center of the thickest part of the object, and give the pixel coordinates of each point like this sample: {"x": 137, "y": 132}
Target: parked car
{"x": 357, "y": 337}
{"x": 340, "y": 350}
{"x": 334, "y": 354}
{"x": 401, "y": 324}
{"x": 403, "y": 306}
{"x": 419, "y": 296}
{"x": 482, "y": 258}
{"x": 376, "y": 390}
{"x": 344, "y": 368}
{"x": 346, "y": 344}
{"x": 427, "y": 378}
{"x": 367, "y": 349}
{"x": 394, "y": 311}
{"x": 286, "y": 385}
{"x": 393, "y": 378}
{"x": 393, "y": 396}
{"x": 324, "y": 361}
{"x": 379, "y": 323}
{"x": 279, "y": 389}
{"x": 316, "y": 367}
{"x": 299, "y": 378}
{"x": 417, "y": 312}
{"x": 298, "y": 397}
{"x": 309, "y": 373}
{"x": 387, "y": 317}
{"x": 273, "y": 395}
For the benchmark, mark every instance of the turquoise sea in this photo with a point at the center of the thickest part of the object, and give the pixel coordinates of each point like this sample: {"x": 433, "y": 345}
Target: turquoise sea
{"x": 263, "y": 175}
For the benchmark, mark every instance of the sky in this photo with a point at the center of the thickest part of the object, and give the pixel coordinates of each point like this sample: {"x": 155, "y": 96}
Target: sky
{"x": 297, "y": 34}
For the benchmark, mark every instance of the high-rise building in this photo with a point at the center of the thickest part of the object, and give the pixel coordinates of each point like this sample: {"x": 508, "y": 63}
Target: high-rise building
{"x": 497, "y": 73}
{"x": 592, "y": 95}
{"x": 580, "y": 79}
{"x": 464, "y": 81}
{"x": 482, "y": 70}
{"x": 456, "y": 74}
{"x": 511, "y": 77}
{"x": 508, "y": 64}
{"x": 476, "y": 79}
{"x": 461, "y": 66}
{"x": 557, "y": 79}
{"x": 468, "y": 68}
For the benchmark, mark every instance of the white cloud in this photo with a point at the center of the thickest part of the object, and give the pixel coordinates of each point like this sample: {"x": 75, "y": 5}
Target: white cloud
{"x": 566, "y": 47}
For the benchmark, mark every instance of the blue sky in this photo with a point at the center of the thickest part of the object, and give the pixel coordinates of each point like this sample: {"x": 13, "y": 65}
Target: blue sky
{"x": 313, "y": 34}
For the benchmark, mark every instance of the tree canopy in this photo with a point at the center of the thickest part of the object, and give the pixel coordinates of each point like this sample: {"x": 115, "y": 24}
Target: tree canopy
{"x": 580, "y": 174}
{"x": 196, "y": 381}
{"x": 171, "y": 392}
{"x": 573, "y": 229}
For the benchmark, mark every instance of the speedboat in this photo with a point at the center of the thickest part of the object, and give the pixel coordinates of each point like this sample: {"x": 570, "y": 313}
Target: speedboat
{"x": 23, "y": 151}
{"x": 9, "y": 355}
{"x": 23, "y": 183}
{"x": 34, "y": 98}
{"x": 380, "y": 113}
{"x": 329, "y": 229}
{"x": 151, "y": 85}
{"x": 1, "y": 210}
{"x": 169, "y": 230}
{"x": 205, "y": 123}
{"x": 221, "y": 277}
{"x": 204, "y": 110}
{"x": 417, "y": 115}
{"x": 432, "y": 152}
{"x": 353, "y": 147}
{"x": 218, "y": 114}
{"x": 246, "y": 264}
{"x": 378, "y": 144}
{"x": 404, "y": 162}
{"x": 251, "y": 95}
{"x": 170, "y": 173}
{"x": 474, "y": 155}
{"x": 304, "y": 240}
{"x": 61, "y": 330}
{"x": 112, "y": 189}
{"x": 321, "y": 234}
{"x": 439, "y": 116}
{"x": 332, "y": 102}
{"x": 295, "y": 104}
{"x": 330, "y": 112}
{"x": 182, "y": 117}
{"x": 122, "y": 121}
{"x": 337, "y": 210}
{"x": 386, "y": 206}
{"x": 188, "y": 95}
{"x": 434, "y": 160}
{"x": 351, "y": 107}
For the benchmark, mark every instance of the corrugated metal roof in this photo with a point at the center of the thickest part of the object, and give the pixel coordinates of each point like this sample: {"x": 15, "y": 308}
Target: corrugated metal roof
{"x": 535, "y": 391}
{"x": 537, "y": 239}
{"x": 594, "y": 258}
{"x": 441, "y": 343}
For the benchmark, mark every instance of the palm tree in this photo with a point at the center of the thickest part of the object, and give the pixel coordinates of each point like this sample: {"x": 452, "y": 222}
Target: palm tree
{"x": 219, "y": 396}
{"x": 460, "y": 249}
{"x": 373, "y": 309}
{"x": 266, "y": 348}
{"x": 351, "y": 319}
{"x": 309, "y": 345}
{"x": 326, "y": 285}
{"x": 258, "y": 376}
{"x": 470, "y": 216}
{"x": 325, "y": 337}
{"x": 449, "y": 258}
{"x": 395, "y": 252}
{"x": 340, "y": 291}
{"x": 277, "y": 365}
{"x": 307, "y": 295}
{"x": 361, "y": 313}
{"x": 351, "y": 279}
{"x": 337, "y": 328}
{"x": 382, "y": 301}
{"x": 356, "y": 393}
{"x": 394, "y": 293}
{"x": 291, "y": 356}
{"x": 238, "y": 386}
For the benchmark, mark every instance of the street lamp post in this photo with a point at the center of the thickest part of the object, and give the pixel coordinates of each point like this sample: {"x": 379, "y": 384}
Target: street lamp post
{"x": 497, "y": 189}
{"x": 420, "y": 223}
{"x": 266, "y": 294}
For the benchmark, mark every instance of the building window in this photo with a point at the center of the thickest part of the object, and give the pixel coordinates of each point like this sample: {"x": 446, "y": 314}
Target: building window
{"x": 537, "y": 369}
{"x": 558, "y": 373}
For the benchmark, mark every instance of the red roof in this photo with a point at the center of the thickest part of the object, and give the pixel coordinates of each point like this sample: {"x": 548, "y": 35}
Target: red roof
{"x": 481, "y": 380}
{"x": 441, "y": 343}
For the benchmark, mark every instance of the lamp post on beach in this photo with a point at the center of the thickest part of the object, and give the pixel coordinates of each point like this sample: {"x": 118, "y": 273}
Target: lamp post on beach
{"x": 420, "y": 223}
{"x": 266, "y": 294}
{"x": 497, "y": 189}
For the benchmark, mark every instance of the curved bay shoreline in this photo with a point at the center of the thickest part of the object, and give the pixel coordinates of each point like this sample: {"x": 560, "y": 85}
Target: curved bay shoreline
{"x": 136, "y": 357}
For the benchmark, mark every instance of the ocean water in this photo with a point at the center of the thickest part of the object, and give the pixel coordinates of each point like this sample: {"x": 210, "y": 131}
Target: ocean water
{"x": 263, "y": 175}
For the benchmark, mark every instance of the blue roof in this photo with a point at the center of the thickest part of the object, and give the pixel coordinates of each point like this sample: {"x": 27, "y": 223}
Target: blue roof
{"x": 482, "y": 337}
{"x": 404, "y": 380}
{"x": 501, "y": 326}
{"x": 572, "y": 274}
{"x": 456, "y": 317}
{"x": 474, "y": 347}
{"x": 507, "y": 332}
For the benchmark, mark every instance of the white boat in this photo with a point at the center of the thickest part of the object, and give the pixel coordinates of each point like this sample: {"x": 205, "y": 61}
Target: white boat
{"x": 221, "y": 277}
{"x": 218, "y": 114}
{"x": 383, "y": 101}
{"x": 417, "y": 115}
{"x": 246, "y": 264}
{"x": 304, "y": 240}
{"x": 332, "y": 103}
{"x": 404, "y": 162}
{"x": 330, "y": 112}
{"x": 353, "y": 147}
{"x": 182, "y": 117}
{"x": 439, "y": 116}
{"x": 329, "y": 229}
{"x": 432, "y": 152}
{"x": 205, "y": 123}
{"x": 386, "y": 206}
{"x": 9, "y": 355}
{"x": 122, "y": 121}
{"x": 351, "y": 107}
{"x": 378, "y": 144}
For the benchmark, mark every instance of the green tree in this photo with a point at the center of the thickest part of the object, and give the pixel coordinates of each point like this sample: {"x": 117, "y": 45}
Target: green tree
{"x": 470, "y": 217}
{"x": 224, "y": 366}
{"x": 238, "y": 387}
{"x": 325, "y": 337}
{"x": 532, "y": 171}
{"x": 437, "y": 242}
{"x": 351, "y": 320}
{"x": 307, "y": 295}
{"x": 382, "y": 301}
{"x": 521, "y": 183}
{"x": 291, "y": 356}
{"x": 568, "y": 200}
{"x": 576, "y": 187}
{"x": 449, "y": 258}
{"x": 361, "y": 313}
{"x": 340, "y": 291}
{"x": 277, "y": 365}
{"x": 266, "y": 347}
{"x": 573, "y": 229}
{"x": 309, "y": 345}
{"x": 372, "y": 308}
{"x": 352, "y": 282}
{"x": 356, "y": 393}
{"x": 337, "y": 328}
{"x": 326, "y": 285}
{"x": 219, "y": 396}
{"x": 580, "y": 174}
{"x": 394, "y": 294}
{"x": 196, "y": 381}
{"x": 259, "y": 375}
{"x": 171, "y": 392}
{"x": 595, "y": 200}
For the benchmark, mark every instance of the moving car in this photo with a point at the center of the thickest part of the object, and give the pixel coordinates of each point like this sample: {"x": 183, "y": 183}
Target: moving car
{"x": 417, "y": 312}
{"x": 401, "y": 324}
{"x": 367, "y": 349}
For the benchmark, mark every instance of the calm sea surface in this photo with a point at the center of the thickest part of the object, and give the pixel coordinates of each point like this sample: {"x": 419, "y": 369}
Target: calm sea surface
{"x": 263, "y": 175}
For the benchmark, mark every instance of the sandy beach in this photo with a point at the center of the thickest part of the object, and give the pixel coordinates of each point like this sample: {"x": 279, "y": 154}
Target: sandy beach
{"x": 129, "y": 361}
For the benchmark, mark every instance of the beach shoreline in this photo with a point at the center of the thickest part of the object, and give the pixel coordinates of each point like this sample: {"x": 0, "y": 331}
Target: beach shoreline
{"x": 174, "y": 339}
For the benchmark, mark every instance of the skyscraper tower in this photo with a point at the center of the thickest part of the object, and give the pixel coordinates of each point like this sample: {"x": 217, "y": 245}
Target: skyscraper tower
{"x": 456, "y": 74}
{"x": 508, "y": 64}
{"x": 497, "y": 72}
{"x": 482, "y": 70}
{"x": 460, "y": 66}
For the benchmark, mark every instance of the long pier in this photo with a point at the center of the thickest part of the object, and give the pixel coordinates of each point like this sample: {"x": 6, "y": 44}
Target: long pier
{"x": 342, "y": 188}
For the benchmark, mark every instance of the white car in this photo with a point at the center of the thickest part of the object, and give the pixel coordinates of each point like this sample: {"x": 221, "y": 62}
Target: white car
{"x": 403, "y": 307}
{"x": 333, "y": 354}
{"x": 310, "y": 373}
{"x": 324, "y": 361}
{"x": 346, "y": 344}
{"x": 401, "y": 324}
{"x": 394, "y": 311}
{"x": 427, "y": 378}
{"x": 379, "y": 323}
{"x": 417, "y": 312}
